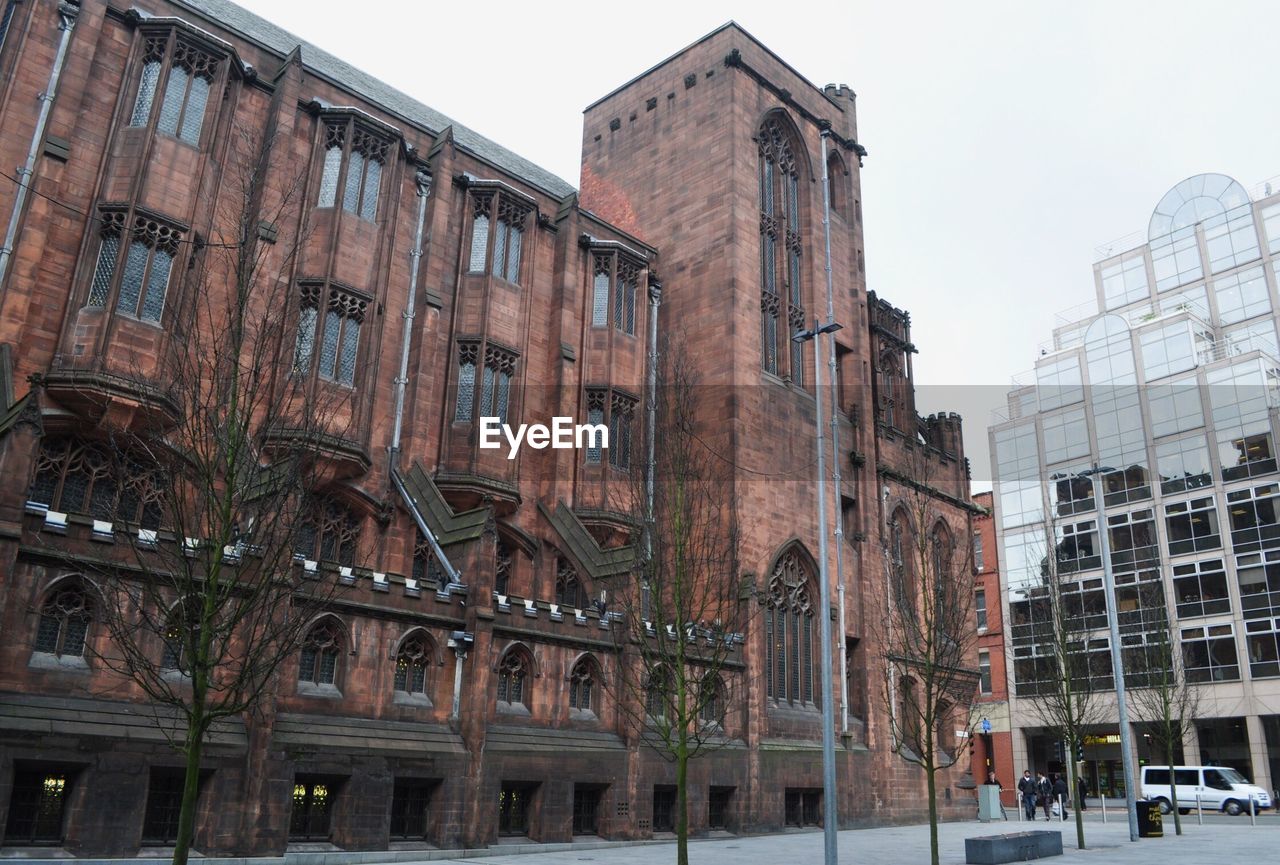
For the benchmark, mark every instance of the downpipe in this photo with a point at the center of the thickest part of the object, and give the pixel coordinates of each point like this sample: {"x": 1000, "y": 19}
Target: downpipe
{"x": 67, "y": 14}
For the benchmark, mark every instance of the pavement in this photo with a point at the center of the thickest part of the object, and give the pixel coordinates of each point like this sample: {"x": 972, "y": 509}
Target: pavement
{"x": 1229, "y": 841}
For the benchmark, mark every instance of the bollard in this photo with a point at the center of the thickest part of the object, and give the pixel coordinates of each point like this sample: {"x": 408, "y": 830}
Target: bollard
{"x": 1021, "y": 809}
{"x": 1062, "y": 808}
{"x": 1199, "y": 811}
{"x": 1103, "y": 799}
{"x": 1253, "y": 812}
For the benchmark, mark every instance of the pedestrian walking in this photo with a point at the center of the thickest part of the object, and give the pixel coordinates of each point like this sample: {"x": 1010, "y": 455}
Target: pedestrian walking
{"x": 1027, "y": 789}
{"x": 1044, "y": 790}
{"x": 1062, "y": 795}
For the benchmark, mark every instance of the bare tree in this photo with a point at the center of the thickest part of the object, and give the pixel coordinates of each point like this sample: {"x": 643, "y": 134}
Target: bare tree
{"x": 1067, "y": 672}
{"x": 1163, "y": 699}
{"x": 928, "y": 637}
{"x": 684, "y": 610}
{"x": 211, "y": 595}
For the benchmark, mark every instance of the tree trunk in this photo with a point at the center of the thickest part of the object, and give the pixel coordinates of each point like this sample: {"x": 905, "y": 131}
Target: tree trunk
{"x": 1173, "y": 785}
{"x": 682, "y": 798}
{"x": 193, "y": 745}
{"x": 932, "y": 786}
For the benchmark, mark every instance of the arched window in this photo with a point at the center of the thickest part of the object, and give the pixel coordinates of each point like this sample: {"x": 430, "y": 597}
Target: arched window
{"x": 329, "y": 533}
{"x": 80, "y": 477}
{"x": 569, "y": 589}
{"x": 836, "y": 185}
{"x": 788, "y": 626}
{"x": 944, "y": 735}
{"x": 900, "y": 570}
{"x": 583, "y": 685}
{"x": 412, "y": 662}
{"x": 711, "y": 696}
{"x": 318, "y": 663}
{"x": 780, "y": 251}
{"x": 910, "y": 734}
{"x": 181, "y": 630}
{"x": 940, "y": 552}
{"x": 425, "y": 565}
{"x": 657, "y": 693}
{"x": 503, "y": 565}
{"x": 64, "y": 622}
{"x": 513, "y": 674}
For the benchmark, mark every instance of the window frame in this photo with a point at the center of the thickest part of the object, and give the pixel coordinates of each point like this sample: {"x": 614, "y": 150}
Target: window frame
{"x": 172, "y": 47}
{"x": 345, "y": 135}
{"x": 789, "y": 648}
{"x": 123, "y": 230}
{"x": 614, "y": 292}
{"x": 505, "y": 228}
{"x": 493, "y": 381}
{"x": 320, "y": 301}
{"x": 325, "y": 638}
{"x": 781, "y": 240}
{"x": 516, "y": 664}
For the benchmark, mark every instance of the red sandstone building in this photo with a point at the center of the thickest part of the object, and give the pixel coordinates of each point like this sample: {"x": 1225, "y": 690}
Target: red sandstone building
{"x": 705, "y": 169}
{"x": 993, "y": 750}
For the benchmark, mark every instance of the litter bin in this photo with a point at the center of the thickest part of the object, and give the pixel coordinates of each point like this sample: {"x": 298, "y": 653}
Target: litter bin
{"x": 1150, "y": 821}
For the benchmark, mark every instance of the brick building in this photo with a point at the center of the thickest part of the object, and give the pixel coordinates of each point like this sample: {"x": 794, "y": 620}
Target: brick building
{"x": 532, "y": 302}
{"x": 993, "y": 749}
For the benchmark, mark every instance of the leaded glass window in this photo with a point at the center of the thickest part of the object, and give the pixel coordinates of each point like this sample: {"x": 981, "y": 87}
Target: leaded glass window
{"x": 330, "y": 532}
{"x": 338, "y": 338}
{"x": 64, "y": 622}
{"x": 583, "y": 685}
{"x": 495, "y": 383}
{"x": 79, "y": 477}
{"x": 412, "y": 662}
{"x": 512, "y": 673}
{"x": 318, "y": 660}
{"x": 497, "y": 221}
{"x": 186, "y": 89}
{"x": 597, "y": 398}
{"x": 364, "y": 154}
{"x": 789, "y": 633}
{"x": 781, "y": 249}
{"x": 570, "y": 591}
{"x": 150, "y": 247}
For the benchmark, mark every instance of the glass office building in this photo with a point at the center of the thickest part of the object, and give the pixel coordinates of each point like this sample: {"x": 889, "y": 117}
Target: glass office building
{"x": 1169, "y": 385}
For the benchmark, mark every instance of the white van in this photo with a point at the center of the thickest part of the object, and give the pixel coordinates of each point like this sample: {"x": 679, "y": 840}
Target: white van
{"x": 1219, "y": 788}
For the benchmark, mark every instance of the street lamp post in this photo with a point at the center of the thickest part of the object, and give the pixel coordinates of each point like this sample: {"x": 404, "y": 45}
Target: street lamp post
{"x": 831, "y": 810}
{"x": 1117, "y": 666}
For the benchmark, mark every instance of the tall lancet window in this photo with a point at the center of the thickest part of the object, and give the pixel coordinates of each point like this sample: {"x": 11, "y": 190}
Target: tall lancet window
{"x": 781, "y": 302}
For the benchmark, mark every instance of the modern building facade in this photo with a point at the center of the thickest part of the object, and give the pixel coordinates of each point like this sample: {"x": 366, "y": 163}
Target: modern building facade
{"x": 532, "y": 301}
{"x": 1169, "y": 387}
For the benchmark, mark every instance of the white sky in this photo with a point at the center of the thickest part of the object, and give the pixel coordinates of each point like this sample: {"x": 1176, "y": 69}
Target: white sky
{"x": 1007, "y": 139}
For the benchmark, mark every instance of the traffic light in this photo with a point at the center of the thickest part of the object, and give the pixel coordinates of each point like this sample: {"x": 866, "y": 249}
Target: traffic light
{"x": 1080, "y": 752}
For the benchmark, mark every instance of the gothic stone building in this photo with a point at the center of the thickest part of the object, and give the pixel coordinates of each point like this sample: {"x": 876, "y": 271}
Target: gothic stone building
{"x": 531, "y": 300}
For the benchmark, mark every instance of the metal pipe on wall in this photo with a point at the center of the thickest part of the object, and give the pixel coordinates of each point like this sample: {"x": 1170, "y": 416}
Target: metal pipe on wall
{"x": 67, "y": 14}
{"x": 835, "y": 441}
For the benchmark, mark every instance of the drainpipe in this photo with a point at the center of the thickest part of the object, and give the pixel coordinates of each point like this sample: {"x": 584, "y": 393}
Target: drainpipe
{"x": 651, "y": 412}
{"x": 423, "y": 182}
{"x": 835, "y": 440}
{"x": 67, "y": 14}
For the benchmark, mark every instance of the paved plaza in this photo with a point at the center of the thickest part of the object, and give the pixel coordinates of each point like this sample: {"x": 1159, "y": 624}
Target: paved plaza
{"x": 1220, "y": 839}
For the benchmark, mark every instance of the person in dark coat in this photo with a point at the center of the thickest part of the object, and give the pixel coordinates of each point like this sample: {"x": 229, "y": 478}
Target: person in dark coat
{"x": 1027, "y": 788}
{"x": 1062, "y": 794}
{"x": 1044, "y": 790}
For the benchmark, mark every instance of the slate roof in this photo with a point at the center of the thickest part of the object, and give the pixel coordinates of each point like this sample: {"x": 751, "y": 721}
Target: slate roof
{"x": 320, "y": 62}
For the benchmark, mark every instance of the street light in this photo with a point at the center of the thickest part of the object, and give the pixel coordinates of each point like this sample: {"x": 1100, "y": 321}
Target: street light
{"x": 1117, "y": 666}
{"x": 831, "y": 810}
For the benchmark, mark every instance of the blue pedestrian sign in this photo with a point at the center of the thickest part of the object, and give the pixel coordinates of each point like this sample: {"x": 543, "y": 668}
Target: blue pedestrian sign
{"x": 986, "y": 725}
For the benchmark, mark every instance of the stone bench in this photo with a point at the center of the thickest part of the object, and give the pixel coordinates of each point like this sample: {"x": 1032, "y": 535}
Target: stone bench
{"x": 1012, "y": 847}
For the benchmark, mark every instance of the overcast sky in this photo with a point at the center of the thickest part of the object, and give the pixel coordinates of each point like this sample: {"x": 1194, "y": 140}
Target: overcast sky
{"x": 1007, "y": 140}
